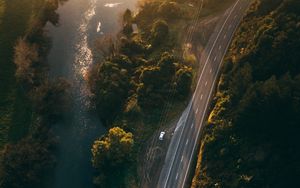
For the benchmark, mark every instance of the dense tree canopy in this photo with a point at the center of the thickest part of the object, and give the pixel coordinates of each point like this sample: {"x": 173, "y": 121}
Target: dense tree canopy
{"x": 132, "y": 85}
{"x": 24, "y": 165}
{"x": 113, "y": 149}
{"x": 184, "y": 78}
{"x": 110, "y": 84}
{"x": 26, "y": 160}
{"x": 111, "y": 155}
{"x": 157, "y": 82}
{"x": 252, "y": 138}
{"x": 51, "y": 99}
{"x": 159, "y": 32}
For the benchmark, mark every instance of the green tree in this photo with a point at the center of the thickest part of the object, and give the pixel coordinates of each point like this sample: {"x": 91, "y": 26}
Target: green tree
{"x": 127, "y": 29}
{"x": 150, "y": 88}
{"x": 127, "y": 17}
{"x": 256, "y": 115}
{"x": 156, "y": 82}
{"x": 184, "y": 78}
{"x": 159, "y": 32}
{"x": 167, "y": 65}
{"x": 51, "y": 99}
{"x": 111, "y": 154}
{"x": 132, "y": 47}
{"x": 127, "y": 23}
{"x": 110, "y": 84}
{"x": 24, "y": 165}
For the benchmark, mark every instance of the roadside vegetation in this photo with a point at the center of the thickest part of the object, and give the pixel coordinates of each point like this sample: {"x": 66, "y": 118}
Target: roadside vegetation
{"x": 138, "y": 74}
{"x": 143, "y": 78}
{"x": 25, "y": 161}
{"x": 252, "y": 134}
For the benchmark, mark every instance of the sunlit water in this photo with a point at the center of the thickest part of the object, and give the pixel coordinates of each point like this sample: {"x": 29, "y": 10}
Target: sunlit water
{"x": 81, "y": 21}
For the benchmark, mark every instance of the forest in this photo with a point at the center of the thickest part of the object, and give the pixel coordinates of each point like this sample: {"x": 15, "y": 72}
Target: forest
{"x": 134, "y": 70}
{"x": 252, "y": 133}
{"x": 138, "y": 74}
{"x": 28, "y": 99}
{"x": 141, "y": 80}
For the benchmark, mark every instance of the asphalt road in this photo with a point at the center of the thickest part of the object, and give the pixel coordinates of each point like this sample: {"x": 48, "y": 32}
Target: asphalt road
{"x": 181, "y": 152}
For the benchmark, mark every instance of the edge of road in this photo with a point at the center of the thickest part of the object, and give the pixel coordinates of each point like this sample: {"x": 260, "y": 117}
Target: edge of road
{"x": 182, "y": 124}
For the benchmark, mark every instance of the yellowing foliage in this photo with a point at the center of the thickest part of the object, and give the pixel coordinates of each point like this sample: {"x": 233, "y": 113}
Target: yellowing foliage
{"x": 113, "y": 149}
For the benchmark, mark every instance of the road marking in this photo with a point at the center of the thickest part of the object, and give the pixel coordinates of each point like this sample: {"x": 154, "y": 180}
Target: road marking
{"x": 189, "y": 162}
{"x": 177, "y": 176}
{"x": 206, "y": 83}
{"x": 220, "y": 47}
{"x": 201, "y": 97}
{"x": 181, "y": 159}
{"x": 210, "y": 71}
{"x": 215, "y": 58}
{"x": 197, "y": 110}
{"x": 192, "y": 125}
{"x": 187, "y": 142}
{"x": 201, "y": 75}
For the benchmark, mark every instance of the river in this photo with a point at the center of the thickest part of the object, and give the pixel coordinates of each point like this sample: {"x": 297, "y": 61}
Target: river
{"x": 81, "y": 21}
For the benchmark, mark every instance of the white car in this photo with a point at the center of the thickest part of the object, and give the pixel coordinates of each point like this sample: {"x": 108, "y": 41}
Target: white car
{"x": 161, "y": 135}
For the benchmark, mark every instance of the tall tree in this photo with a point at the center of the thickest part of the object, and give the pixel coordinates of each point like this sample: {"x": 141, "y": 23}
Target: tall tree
{"x": 111, "y": 154}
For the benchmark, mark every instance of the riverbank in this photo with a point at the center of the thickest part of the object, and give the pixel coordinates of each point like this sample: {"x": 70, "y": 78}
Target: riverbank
{"x": 146, "y": 77}
{"x": 70, "y": 58}
{"x": 30, "y": 76}
{"x": 15, "y": 110}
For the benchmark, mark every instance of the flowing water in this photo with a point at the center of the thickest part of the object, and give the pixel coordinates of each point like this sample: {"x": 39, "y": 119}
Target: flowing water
{"x": 81, "y": 21}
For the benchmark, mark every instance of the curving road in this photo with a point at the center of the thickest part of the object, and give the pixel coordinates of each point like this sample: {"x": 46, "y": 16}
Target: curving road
{"x": 181, "y": 152}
